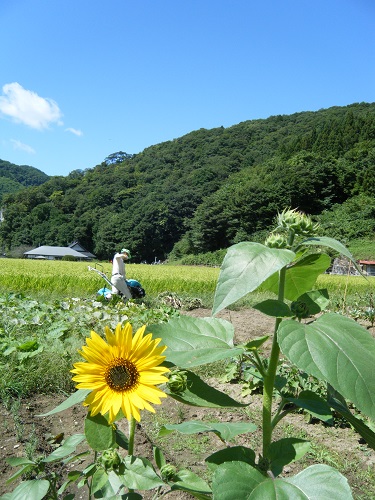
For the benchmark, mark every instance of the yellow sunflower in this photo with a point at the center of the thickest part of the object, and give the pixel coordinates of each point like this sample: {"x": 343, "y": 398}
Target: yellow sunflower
{"x": 121, "y": 374}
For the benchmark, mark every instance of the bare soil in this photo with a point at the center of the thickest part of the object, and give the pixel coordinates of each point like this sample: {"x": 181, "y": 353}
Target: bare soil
{"x": 331, "y": 444}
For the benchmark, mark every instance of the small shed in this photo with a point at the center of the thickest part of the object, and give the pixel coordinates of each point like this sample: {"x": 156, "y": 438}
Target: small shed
{"x": 368, "y": 267}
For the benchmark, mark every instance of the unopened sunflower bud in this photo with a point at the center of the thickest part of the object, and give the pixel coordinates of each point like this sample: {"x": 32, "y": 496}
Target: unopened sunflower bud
{"x": 168, "y": 471}
{"x": 299, "y": 309}
{"x": 288, "y": 218}
{"x": 110, "y": 459}
{"x": 276, "y": 240}
{"x": 297, "y": 222}
{"x": 306, "y": 226}
{"x": 177, "y": 382}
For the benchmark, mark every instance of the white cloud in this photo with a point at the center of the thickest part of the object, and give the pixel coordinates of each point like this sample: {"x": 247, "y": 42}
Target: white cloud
{"x": 25, "y": 106}
{"x": 23, "y": 147}
{"x": 74, "y": 131}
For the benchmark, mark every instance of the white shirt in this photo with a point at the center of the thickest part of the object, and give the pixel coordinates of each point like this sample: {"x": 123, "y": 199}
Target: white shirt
{"x": 118, "y": 265}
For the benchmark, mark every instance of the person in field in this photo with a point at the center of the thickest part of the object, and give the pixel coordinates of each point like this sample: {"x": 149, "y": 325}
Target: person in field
{"x": 119, "y": 275}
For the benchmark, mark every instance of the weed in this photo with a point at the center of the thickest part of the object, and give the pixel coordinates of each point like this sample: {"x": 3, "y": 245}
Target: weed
{"x": 180, "y": 413}
{"x": 322, "y": 454}
{"x": 31, "y": 444}
{"x": 211, "y": 370}
{"x": 17, "y": 420}
{"x": 289, "y": 430}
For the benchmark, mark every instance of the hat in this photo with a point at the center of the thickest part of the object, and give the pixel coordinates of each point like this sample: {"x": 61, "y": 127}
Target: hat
{"x": 125, "y": 250}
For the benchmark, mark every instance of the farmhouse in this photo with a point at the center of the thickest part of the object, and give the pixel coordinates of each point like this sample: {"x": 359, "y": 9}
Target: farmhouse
{"x": 342, "y": 265}
{"x": 368, "y": 267}
{"x": 55, "y": 253}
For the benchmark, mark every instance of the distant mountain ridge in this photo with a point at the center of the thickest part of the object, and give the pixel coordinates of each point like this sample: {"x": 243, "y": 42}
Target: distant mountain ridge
{"x": 207, "y": 189}
{"x": 14, "y": 178}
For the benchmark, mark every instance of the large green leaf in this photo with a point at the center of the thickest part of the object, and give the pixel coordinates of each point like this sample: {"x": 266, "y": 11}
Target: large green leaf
{"x": 321, "y": 481}
{"x": 225, "y": 431}
{"x": 196, "y": 341}
{"x": 35, "y": 489}
{"x": 300, "y": 276}
{"x": 246, "y": 266}
{"x": 334, "y": 244}
{"x": 198, "y": 393}
{"x": 73, "y": 399}
{"x": 335, "y": 349}
{"x": 140, "y": 475}
{"x": 238, "y": 480}
{"x": 100, "y": 435}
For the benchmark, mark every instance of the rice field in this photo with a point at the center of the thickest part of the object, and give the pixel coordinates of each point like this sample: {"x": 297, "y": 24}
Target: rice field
{"x": 74, "y": 278}
{"x": 57, "y": 278}
{"x": 340, "y": 285}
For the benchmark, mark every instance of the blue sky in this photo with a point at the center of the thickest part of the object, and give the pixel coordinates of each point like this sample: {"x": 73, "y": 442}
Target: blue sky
{"x": 81, "y": 79}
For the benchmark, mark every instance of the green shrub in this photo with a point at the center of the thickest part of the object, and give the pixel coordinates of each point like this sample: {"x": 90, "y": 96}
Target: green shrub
{"x": 70, "y": 258}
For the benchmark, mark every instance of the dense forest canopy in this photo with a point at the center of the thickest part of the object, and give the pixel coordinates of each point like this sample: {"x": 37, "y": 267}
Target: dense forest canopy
{"x": 208, "y": 189}
{"x": 14, "y": 178}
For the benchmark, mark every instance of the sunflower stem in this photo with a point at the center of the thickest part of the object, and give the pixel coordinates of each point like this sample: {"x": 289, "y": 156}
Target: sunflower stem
{"x": 269, "y": 378}
{"x": 90, "y": 481}
{"x": 132, "y": 423}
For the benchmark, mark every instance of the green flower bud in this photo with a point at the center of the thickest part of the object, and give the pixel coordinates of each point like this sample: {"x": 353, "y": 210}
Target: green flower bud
{"x": 299, "y": 309}
{"x": 297, "y": 222}
{"x": 109, "y": 459}
{"x": 276, "y": 240}
{"x": 177, "y": 382}
{"x": 288, "y": 219}
{"x": 306, "y": 226}
{"x": 168, "y": 471}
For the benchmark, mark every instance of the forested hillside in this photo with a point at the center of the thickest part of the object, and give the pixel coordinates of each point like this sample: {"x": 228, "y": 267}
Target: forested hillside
{"x": 208, "y": 189}
{"x": 14, "y": 178}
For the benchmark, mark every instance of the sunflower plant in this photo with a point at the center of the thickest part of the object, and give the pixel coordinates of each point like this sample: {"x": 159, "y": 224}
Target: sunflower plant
{"x": 334, "y": 349}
